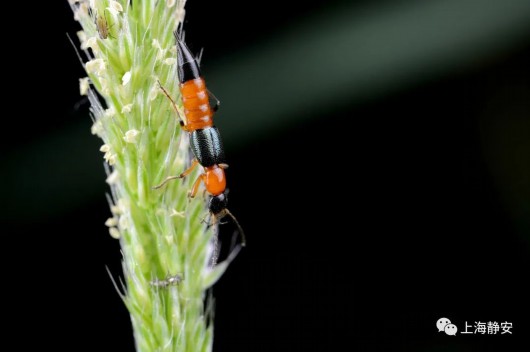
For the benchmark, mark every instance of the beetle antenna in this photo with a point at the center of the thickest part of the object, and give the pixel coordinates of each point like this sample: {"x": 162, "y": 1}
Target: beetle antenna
{"x": 241, "y": 232}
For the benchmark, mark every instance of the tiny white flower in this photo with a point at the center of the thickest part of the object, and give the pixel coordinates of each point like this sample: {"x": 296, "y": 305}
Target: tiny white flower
{"x": 170, "y": 61}
{"x": 180, "y": 214}
{"x": 104, "y": 86}
{"x": 111, "y": 222}
{"x": 112, "y": 12}
{"x": 131, "y": 136}
{"x": 126, "y": 78}
{"x": 110, "y": 158}
{"x": 84, "y": 84}
{"x": 170, "y": 3}
{"x": 123, "y": 204}
{"x": 156, "y": 44}
{"x": 82, "y": 37}
{"x": 110, "y": 112}
{"x": 81, "y": 11}
{"x": 126, "y": 109}
{"x": 114, "y": 233}
{"x": 161, "y": 52}
{"x": 123, "y": 222}
{"x": 179, "y": 14}
{"x": 97, "y": 128}
{"x": 96, "y": 66}
{"x": 153, "y": 93}
{"x": 115, "y": 6}
{"x": 91, "y": 42}
{"x": 105, "y": 148}
{"x": 113, "y": 178}
{"x": 115, "y": 209}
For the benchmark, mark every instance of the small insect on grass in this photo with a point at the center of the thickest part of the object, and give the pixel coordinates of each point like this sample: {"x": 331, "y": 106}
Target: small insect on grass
{"x": 102, "y": 24}
{"x": 170, "y": 280}
{"x": 205, "y": 139}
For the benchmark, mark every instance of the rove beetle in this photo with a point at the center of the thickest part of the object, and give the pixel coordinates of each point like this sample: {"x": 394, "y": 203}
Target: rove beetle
{"x": 205, "y": 139}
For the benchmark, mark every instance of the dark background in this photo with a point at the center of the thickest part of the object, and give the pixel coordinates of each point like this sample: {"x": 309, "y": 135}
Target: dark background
{"x": 430, "y": 219}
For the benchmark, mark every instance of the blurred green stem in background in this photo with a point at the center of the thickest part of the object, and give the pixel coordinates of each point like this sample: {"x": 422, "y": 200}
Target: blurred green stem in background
{"x": 166, "y": 248}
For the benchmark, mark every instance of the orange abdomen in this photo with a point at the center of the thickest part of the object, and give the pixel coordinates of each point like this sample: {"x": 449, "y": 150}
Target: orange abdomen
{"x": 196, "y": 104}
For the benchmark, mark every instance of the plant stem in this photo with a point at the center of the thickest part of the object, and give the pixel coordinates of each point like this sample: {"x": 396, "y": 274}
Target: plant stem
{"x": 166, "y": 247}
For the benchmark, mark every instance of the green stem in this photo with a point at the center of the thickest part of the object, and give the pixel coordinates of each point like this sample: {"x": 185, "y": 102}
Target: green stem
{"x": 131, "y": 46}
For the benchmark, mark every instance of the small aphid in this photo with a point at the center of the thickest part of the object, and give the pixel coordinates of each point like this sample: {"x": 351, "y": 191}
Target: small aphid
{"x": 170, "y": 280}
{"x": 102, "y": 26}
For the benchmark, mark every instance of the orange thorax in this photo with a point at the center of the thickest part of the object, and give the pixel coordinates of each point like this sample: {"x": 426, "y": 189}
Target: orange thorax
{"x": 214, "y": 180}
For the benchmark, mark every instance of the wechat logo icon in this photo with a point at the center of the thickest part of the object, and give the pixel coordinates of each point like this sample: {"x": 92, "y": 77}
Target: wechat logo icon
{"x": 444, "y": 324}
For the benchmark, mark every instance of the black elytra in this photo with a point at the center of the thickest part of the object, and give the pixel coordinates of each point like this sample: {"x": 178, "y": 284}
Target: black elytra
{"x": 207, "y": 146}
